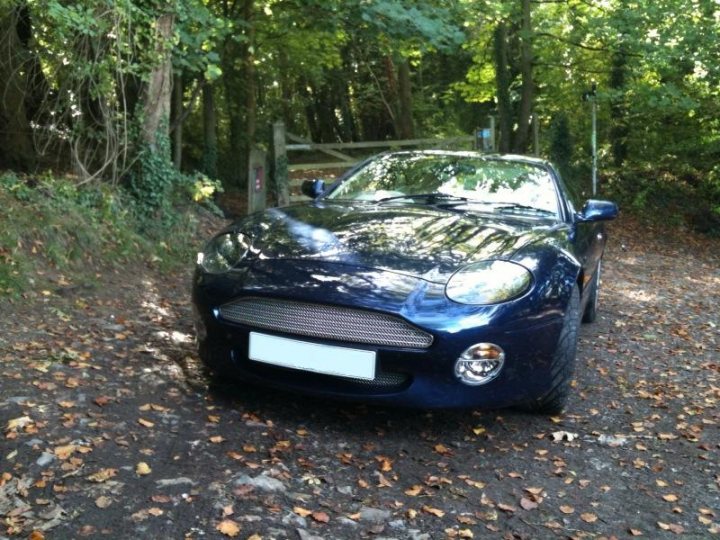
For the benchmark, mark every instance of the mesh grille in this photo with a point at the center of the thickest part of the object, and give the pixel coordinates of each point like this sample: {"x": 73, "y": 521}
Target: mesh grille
{"x": 327, "y": 322}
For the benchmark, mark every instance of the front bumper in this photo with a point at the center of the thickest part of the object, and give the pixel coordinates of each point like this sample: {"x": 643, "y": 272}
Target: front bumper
{"x": 527, "y": 329}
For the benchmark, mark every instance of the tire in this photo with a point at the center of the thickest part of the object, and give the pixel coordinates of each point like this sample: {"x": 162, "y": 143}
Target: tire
{"x": 562, "y": 365}
{"x": 591, "y": 309}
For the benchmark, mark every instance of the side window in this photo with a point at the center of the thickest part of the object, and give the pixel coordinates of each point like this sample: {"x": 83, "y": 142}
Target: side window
{"x": 574, "y": 200}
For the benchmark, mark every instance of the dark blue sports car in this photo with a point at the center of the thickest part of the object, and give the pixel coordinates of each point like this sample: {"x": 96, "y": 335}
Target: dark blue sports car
{"x": 426, "y": 279}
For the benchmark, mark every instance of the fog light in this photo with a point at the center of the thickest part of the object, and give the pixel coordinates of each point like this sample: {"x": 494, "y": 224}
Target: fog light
{"x": 480, "y": 364}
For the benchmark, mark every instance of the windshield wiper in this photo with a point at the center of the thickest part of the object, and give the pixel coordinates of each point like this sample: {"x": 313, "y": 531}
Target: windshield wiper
{"x": 431, "y": 198}
{"x": 522, "y": 207}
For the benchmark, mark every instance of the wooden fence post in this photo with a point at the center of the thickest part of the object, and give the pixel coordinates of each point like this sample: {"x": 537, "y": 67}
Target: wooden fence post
{"x": 280, "y": 164}
{"x": 257, "y": 173}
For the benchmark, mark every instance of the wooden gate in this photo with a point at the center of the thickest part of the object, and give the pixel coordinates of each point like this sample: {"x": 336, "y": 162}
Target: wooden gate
{"x": 340, "y": 157}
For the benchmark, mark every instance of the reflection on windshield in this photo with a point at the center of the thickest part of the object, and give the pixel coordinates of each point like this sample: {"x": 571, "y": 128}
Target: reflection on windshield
{"x": 511, "y": 184}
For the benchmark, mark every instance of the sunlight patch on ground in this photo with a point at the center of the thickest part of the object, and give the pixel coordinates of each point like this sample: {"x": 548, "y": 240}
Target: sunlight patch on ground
{"x": 152, "y": 301}
{"x": 638, "y": 295}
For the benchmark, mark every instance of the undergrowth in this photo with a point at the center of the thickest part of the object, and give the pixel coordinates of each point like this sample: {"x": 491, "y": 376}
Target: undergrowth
{"x": 54, "y": 233}
{"x": 659, "y": 196}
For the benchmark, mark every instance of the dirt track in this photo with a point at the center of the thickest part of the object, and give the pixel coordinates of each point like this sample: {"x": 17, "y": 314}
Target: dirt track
{"x": 110, "y": 429}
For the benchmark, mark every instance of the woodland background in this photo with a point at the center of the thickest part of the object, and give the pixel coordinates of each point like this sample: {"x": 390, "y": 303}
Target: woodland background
{"x": 149, "y": 95}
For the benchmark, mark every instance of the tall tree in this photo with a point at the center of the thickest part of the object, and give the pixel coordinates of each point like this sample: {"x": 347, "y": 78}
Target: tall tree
{"x": 16, "y": 143}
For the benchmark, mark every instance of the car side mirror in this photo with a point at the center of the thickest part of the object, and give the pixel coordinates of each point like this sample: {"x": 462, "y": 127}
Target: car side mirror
{"x": 595, "y": 210}
{"x": 313, "y": 188}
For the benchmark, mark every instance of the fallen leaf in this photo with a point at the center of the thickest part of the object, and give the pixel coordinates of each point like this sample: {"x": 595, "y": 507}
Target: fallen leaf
{"x": 635, "y": 532}
{"x": 142, "y": 468}
{"x": 320, "y": 517}
{"x": 145, "y": 423}
{"x": 101, "y": 401}
{"x": 228, "y": 527}
{"x": 565, "y": 509}
{"x": 155, "y": 511}
{"x": 216, "y": 439}
{"x": 385, "y": 463}
{"x": 442, "y": 449}
{"x": 588, "y": 517}
{"x": 507, "y": 507}
{"x": 527, "y": 504}
{"x": 433, "y": 511}
{"x": 102, "y": 475}
{"x": 670, "y": 497}
{"x": 465, "y": 533}
{"x": 103, "y": 501}
{"x": 302, "y": 512}
{"x": 414, "y": 491}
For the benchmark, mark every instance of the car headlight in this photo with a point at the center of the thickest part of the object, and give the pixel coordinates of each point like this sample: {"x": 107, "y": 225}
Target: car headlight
{"x": 223, "y": 252}
{"x": 488, "y": 282}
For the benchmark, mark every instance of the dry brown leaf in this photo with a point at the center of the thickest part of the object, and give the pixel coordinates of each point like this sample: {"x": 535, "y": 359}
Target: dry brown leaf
{"x": 102, "y": 475}
{"x": 565, "y": 509}
{"x": 507, "y": 507}
{"x": 64, "y": 452}
{"x": 217, "y": 439}
{"x": 36, "y": 535}
{"x": 229, "y": 528}
{"x": 320, "y": 517}
{"x": 635, "y": 532}
{"x": 588, "y": 517}
{"x": 670, "y": 497}
{"x": 414, "y": 491}
{"x": 101, "y": 401}
{"x": 103, "y": 501}
{"x": 465, "y": 533}
{"x": 155, "y": 511}
{"x": 433, "y": 511}
{"x": 302, "y": 512}
{"x": 527, "y": 504}
{"x": 142, "y": 468}
{"x": 145, "y": 423}
{"x": 385, "y": 463}
{"x": 383, "y": 482}
{"x": 442, "y": 449}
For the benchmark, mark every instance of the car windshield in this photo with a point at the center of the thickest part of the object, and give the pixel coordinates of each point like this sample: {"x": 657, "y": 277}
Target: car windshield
{"x": 453, "y": 180}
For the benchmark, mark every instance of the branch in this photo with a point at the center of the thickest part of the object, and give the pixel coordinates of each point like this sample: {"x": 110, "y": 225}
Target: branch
{"x": 190, "y": 106}
{"x": 582, "y": 46}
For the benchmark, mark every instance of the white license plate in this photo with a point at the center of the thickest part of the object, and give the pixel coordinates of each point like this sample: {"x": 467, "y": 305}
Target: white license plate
{"x": 327, "y": 359}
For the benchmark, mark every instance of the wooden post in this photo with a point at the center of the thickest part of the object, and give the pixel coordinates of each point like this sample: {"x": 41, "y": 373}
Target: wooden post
{"x": 280, "y": 164}
{"x": 536, "y": 135}
{"x": 257, "y": 180}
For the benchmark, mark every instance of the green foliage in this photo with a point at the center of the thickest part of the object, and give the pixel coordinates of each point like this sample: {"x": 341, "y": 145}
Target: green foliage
{"x": 52, "y": 228}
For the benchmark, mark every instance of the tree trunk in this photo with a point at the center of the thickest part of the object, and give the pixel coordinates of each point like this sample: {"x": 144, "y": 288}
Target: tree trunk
{"x": 177, "y": 120}
{"x": 405, "y": 109}
{"x": 16, "y": 144}
{"x": 528, "y": 88}
{"x": 619, "y": 129}
{"x": 156, "y": 105}
{"x": 502, "y": 84}
{"x": 250, "y": 84}
{"x": 210, "y": 149}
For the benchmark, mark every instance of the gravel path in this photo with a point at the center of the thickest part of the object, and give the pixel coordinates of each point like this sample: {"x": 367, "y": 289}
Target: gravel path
{"x": 110, "y": 430}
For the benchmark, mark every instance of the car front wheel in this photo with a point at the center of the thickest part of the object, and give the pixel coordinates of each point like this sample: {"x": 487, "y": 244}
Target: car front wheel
{"x": 562, "y": 366}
